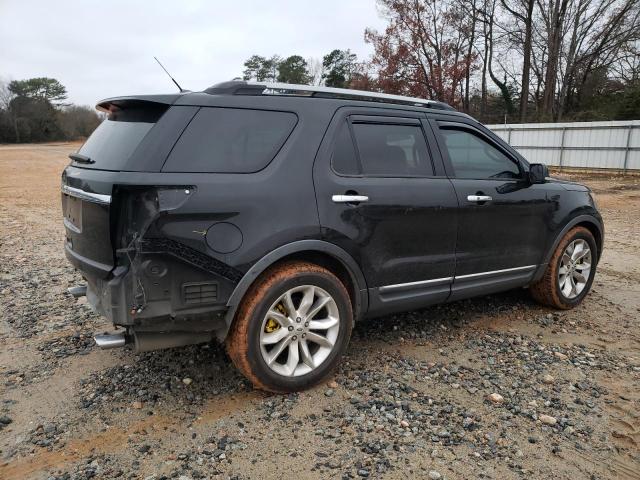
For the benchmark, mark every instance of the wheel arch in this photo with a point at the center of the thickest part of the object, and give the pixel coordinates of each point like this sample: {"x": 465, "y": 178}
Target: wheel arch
{"x": 591, "y": 223}
{"x": 320, "y": 252}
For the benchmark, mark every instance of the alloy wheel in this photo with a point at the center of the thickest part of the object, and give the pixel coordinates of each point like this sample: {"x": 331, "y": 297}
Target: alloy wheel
{"x": 299, "y": 331}
{"x": 575, "y": 268}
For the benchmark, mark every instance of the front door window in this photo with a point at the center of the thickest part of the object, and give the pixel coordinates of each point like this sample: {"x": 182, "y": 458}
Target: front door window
{"x": 474, "y": 158}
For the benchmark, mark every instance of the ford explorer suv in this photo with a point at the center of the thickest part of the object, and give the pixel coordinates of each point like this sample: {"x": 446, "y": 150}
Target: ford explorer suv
{"x": 271, "y": 217}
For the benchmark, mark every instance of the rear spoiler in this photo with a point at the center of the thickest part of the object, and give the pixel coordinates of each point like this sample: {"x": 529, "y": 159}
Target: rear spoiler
{"x": 119, "y": 103}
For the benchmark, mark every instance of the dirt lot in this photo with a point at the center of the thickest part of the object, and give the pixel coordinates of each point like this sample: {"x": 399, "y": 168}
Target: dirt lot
{"x": 410, "y": 399}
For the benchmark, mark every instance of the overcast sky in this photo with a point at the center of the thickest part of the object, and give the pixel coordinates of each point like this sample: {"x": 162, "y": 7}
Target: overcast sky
{"x": 99, "y": 49}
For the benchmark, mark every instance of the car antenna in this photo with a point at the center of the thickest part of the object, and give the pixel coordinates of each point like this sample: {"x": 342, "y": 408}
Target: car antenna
{"x": 172, "y": 79}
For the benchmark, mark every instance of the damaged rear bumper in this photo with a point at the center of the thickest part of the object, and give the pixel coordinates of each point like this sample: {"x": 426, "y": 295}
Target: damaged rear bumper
{"x": 146, "y": 261}
{"x": 161, "y": 299}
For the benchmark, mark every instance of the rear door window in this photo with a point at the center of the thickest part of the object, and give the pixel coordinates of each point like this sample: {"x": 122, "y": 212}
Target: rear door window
{"x": 391, "y": 150}
{"x": 344, "y": 159}
{"x": 230, "y": 140}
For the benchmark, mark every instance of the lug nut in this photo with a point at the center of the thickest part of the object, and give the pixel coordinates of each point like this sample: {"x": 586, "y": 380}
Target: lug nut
{"x": 306, "y": 324}
{"x": 304, "y": 335}
{"x": 298, "y": 319}
{"x": 290, "y": 329}
{"x": 294, "y": 338}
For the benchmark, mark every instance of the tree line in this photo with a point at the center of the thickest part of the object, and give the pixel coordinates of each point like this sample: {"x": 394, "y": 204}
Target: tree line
{"x": 336, "y": 69}
{"x": 513, "y": 60}
{"x": 34, "y": 110}
{"x": 498, "y": 60}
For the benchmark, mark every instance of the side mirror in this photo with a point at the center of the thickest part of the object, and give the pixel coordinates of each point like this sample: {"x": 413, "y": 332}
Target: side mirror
{"x": 538, "y": 172}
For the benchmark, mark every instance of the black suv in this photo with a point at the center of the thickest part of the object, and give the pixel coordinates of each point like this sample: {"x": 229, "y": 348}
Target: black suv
{"x": 273, "y": 216}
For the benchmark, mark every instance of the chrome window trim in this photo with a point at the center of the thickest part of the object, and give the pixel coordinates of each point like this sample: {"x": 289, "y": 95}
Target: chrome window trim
{"x": 435, "y": 281}
{"x": 88, "y": 196}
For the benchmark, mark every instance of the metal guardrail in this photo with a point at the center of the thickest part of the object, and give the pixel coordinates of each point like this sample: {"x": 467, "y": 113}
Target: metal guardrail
{"x": 505, "y": 131}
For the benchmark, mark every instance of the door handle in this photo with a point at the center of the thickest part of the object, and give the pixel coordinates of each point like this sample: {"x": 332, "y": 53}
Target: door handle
{"x": 479, "y": 198}
{"x": 349, "y": 198}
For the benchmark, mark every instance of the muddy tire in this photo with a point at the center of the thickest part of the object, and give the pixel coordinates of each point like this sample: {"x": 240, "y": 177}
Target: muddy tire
{"x": 569, "y": 274}
{"x": 292, "y": 327}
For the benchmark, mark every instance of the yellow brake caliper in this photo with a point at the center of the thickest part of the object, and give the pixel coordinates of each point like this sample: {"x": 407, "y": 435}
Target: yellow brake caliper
{"x": 272, "y": 325}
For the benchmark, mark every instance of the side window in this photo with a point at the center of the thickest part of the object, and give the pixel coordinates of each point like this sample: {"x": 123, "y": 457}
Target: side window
{"x": 472, "y": 157}
{"x": 392, "y": 150}
{"x": 344, "y": 158}
{"x": 230, "y": 140}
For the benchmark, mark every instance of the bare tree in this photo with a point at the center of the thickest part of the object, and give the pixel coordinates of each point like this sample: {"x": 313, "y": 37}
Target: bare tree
{"x": 469, "y": 19}
{"x": 522, "y": 12}
{"x": 6, "y": 96}
{"x": 600, "y": 36}
{"x": 489, "y": 14}
{"x": 315, "y": 70}
{"x": 540, "y": 56}
{"x": 627, "y": 70}
{"x": 564, "y": 45}
{"x": 553, "y": 13}
{"x": 424, "y": 49}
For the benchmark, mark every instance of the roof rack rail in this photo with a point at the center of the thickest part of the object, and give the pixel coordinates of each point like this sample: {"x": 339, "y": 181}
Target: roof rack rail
{"x": 289, "y": 89}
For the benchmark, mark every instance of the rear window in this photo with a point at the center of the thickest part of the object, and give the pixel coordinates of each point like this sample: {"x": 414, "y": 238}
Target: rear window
{"x": 116, "y": 138}
{"x": 230, "y": 140}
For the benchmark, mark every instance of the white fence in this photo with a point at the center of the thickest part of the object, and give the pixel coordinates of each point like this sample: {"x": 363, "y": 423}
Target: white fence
{"x": 614, "y": 145}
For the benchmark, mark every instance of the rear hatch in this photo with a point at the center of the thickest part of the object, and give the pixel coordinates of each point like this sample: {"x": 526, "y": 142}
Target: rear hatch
{"x": 124, "y": 142}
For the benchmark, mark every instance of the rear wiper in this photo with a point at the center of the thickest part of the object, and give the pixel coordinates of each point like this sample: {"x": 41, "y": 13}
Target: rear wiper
{"x": 77, "y": 157}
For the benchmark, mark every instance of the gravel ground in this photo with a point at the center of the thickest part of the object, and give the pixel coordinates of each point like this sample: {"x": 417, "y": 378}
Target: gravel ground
{"x": 495, "y": 387}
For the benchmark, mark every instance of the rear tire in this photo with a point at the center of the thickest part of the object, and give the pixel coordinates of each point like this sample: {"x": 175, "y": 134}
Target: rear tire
{"x": 570, "y": 272}
{"x": 292, "y": 327}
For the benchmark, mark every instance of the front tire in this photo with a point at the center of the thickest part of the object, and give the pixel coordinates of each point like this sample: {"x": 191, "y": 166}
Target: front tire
{"x": 570, "y": 272}
{"x": 292, "y": 327}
